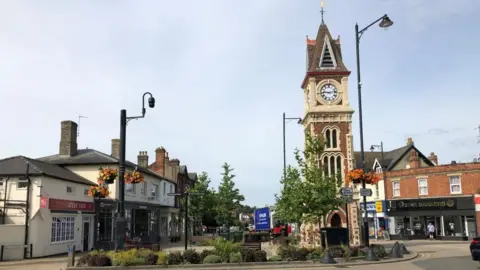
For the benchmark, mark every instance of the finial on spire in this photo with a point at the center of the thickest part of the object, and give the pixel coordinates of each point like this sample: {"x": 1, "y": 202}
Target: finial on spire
{"x": 321, "y": 10}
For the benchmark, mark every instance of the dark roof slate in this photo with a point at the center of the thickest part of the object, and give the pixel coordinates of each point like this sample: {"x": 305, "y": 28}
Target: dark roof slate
{"x": 16, "y": 166}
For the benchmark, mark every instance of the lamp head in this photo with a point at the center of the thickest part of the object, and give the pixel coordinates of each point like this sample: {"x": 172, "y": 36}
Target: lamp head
{"x": 372, "y": 148}
{"x": 386, "y": 22}
{"x": 151, "y": 102}
{"x": 299, "y": 121}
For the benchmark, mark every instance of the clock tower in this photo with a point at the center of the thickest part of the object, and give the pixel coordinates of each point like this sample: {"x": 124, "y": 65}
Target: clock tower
{"x": 328, "y": 114}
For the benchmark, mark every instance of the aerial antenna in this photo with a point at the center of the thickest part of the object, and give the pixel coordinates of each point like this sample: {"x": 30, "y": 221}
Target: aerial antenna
{"x": 79, "y": 119}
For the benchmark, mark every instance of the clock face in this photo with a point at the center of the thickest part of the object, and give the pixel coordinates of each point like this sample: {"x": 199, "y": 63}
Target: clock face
{"x": 329, "y": 92}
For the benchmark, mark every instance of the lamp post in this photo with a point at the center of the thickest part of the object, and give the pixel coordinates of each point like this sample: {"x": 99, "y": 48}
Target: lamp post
{"x": 120, "y": 223}
{"x": 385, "y": 22}
{"x": 299, "y": 120}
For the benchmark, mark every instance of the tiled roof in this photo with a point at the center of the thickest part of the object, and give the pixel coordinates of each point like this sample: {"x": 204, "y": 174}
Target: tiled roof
{"x": 94, "y": 157}
{"x": 16, "y": 166}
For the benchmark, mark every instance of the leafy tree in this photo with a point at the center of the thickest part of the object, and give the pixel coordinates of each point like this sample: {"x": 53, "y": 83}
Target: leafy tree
{"x": 308, "y": 194}
{"x": 228, "y": 198}
{"x": 201, "y": 206}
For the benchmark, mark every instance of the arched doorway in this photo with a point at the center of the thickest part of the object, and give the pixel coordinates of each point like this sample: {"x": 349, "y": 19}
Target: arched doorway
{"x": 336, "y": 221}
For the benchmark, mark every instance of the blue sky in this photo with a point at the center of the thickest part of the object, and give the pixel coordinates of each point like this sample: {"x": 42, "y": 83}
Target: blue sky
{"x": 224, "y": 71}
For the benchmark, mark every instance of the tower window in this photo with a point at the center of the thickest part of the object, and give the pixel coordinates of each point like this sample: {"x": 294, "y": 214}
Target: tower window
{"x": 327, "y": 59}
{"x": 328, "y": 141}
{"x": 331, "y": 138}
{"x": 332, "y": 165}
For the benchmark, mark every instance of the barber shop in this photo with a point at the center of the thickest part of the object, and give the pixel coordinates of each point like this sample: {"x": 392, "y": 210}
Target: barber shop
{"x": 453, "y": 218}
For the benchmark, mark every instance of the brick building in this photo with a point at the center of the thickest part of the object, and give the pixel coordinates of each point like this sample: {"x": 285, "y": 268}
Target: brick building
{"x": 443, "y": 195}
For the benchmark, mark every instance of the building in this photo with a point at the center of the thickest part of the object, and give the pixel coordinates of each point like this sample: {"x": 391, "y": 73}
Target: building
{"x": 418, "y": 193}
{"x": 328, "y": 114}
{"x": 148, "y": 208}
{"x": 43, "y": 205}
{"x": 387, "y": 161}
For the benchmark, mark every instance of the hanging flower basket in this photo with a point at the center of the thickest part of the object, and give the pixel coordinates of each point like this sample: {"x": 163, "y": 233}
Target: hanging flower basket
{"x": 107, "y": 175}
{"x": 98, "y": 191}
{"x": 358, "y": 176}
{"x": 134, "y": 177}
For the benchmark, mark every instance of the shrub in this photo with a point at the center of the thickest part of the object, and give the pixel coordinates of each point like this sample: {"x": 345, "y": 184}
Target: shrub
{"x": 224, "y": 248}
{"x": 191, "y": 256}
{"x": 205, "y": 243}
{"x": 300, "y": 254}
{"x": 162, "y": 258}
{"x": 235, "y": 257}
{"x": 129, "y": 257}
{"x": 275, "y": 258}
{"x": 212, "y": 259}
{"x": 151, "y": 259}
{"x": 142, "y": 253}
{"x": 248, "y": 255}
{"x": 315, "y": 254}
{"x": 286, "y": 252}
{"x": 205, "y": 253}
{"x": 260, "y": 256}
{"x": 99, "y": 260}
{"x": 293, "y": 240}
{"x": 379, "y": 250}
{"x": 83, "y": 261}
{"x": 336, "y": 252}
{"x": 175, "y": 258}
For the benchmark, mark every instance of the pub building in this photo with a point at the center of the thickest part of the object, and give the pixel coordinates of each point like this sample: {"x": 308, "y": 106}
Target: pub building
{"x": 453, "y": 217}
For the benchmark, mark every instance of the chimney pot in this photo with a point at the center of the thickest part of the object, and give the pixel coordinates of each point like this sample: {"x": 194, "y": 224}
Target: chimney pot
{"x": 409, "y": 141}
{"x": 68, "y": 138}
{"x": 433, "y": 158}
{"x": 115, "y": 148}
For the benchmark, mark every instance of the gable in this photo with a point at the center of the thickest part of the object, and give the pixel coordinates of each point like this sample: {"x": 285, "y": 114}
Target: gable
{"x": 404, "y": 160}
{"x": 327, "y": 58}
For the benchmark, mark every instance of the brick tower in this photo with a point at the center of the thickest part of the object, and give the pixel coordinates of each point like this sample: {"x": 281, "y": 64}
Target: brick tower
{"x": 328, "y": 114}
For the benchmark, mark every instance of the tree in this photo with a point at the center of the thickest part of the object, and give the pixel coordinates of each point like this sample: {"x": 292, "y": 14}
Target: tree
{"x": 200, "y": 206}
{"x": 228, "y": 198}
{"x": 308, "y": 194}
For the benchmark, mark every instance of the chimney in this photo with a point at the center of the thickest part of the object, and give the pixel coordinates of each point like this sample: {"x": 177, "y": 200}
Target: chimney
{"x": 115, "y": 148}
{"x": 433, "y": 158}
{"x": 160, "y": 156}
{"x": 142, "y": 159}
{"x": 413, "y": 161}
{"x": 68, "y": 138}
{"x": 174, "y": 162}
{"x": 410, "y": 141}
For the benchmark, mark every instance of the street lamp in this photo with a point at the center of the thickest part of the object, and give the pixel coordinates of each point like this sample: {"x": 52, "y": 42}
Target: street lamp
{"x": 120, "y": 223}
{"x": 299, "y": 121}
{"x": 385, "y": 22}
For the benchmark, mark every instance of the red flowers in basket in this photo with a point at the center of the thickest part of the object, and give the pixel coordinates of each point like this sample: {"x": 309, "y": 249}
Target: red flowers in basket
{"x": 358, "y": 176}
{"x": 133, "y": 177}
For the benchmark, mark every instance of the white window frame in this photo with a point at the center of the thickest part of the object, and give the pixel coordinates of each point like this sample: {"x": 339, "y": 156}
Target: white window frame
{"x": 72, "y": 190}
{"x": 144, "y": 189}
{"x": 459, "y": 184}
{"x": 22, "y": 181}
{"x": 85, "y": 191}
{"x": 395, "y": 189}
{"x": 63, "y": 229}
{"x": 130, "y": 188}
{"x": 154, "y": 191}
{"x": 422, "y": 186}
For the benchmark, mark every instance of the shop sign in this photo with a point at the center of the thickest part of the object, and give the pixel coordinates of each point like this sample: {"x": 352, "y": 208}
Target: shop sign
{"x": 379, "y": 207}
{"x": 370, "y": 207}
{"x": 56, "y": 204}
{"x": 43, "y": 202}
{"x": 425, "y": 204}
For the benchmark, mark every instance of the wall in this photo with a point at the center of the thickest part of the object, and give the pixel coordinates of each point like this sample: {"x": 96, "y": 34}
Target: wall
{"x": 13, "y": 192}
{"x": 437, "y": 179}
{"x": 12, "y": 235}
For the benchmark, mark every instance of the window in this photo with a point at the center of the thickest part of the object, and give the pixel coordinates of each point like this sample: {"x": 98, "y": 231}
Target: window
{"x": 22, "y": 183}
{"x": 455, "y": 184}
{"x": 377, "y": 191}
{"x": 396, "y": 189}
{"x": 144, "y": 188}
{"x": 70, "y": 189}
{"x": 164, "y": 188}
{"x": 422, "y": 187}
{"x": 378, "y": 169}
{"x": 171, "y": 188}
{"x": 63, "y": 229}
{"x": 130, "y": 188}
{"x": 85, "y": 191}
{"x": 331, "y": 138}
{"x": 332, "y": 165}
{"x": 1, "y": 183}
{"x": 154, "y": 191}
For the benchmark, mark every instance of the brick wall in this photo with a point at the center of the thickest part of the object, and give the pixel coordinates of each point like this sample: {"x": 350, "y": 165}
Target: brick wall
{"x": 438, "y": 179}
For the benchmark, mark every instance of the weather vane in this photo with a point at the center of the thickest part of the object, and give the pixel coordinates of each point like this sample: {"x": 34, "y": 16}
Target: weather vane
{"x": 321, "y": 10}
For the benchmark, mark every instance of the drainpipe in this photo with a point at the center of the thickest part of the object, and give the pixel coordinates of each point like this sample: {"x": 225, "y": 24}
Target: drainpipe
{"x": 25, "y": 242}
{"x": 5, "y": 200}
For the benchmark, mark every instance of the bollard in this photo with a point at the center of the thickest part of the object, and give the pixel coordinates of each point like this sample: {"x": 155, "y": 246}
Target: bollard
{"x": 403, "y": 249}
{"x": 327, "y": 258}
{"x": 371, "y": 256}
{"x": 396, "y": 251}
{"x": 71, "y": 256}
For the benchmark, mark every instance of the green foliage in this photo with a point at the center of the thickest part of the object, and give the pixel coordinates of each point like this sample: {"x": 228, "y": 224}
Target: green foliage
{"x": 98, "y": 259}
{"x": 301, "y": 254}
{"x": 228, "y": 197}
{"x": 315, "y": 254}
{"x": 162, "y": 258}
{"x": 175, "y": 258}
{"x": 129, "y": 257}
{"x": 336, "y": 251}
{"x": 201, "y": 205}
{"x": 212, "y": 259}
{"x": 235, "y": 257}
{"x": 275, "y": 258}
{"x": 286, "y": 252}
{"x": 248, "y": 255}
{"x": 224, "y": 248}
{"x": 191, "y": 256}
{"x": 379, "y": 250}
{"x": 260, "y": 256}
{"x": 151, "y": 259}
{"x": 307, "y": 194}
{"x": 205, "y": 253}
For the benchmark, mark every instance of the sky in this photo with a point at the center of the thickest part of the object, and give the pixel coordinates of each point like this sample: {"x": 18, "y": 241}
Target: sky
{"x": 223, "y": 72}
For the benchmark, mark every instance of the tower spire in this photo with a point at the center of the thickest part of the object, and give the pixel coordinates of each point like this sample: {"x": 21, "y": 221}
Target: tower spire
{"x": 321, "y": 10}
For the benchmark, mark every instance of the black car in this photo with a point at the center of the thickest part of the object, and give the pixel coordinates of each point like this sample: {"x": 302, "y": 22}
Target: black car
{"x": 475, "y": 249}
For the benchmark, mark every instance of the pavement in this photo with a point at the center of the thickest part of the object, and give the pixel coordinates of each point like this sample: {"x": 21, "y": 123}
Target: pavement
{"x": 433, "y": 255}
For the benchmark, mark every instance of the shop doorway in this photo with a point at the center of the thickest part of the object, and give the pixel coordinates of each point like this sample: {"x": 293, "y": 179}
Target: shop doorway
{"x": 86, "y": 236}
{"x": 336, "y": 221}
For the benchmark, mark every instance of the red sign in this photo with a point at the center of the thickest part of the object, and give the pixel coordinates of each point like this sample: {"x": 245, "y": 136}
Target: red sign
{"x": 55, "y": 204}
{"x": 477, "y": 200}
{"x": 43, "y": 202}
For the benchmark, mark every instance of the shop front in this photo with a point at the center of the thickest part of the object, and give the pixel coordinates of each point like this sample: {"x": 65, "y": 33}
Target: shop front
{"x": 377, "y": 221}
{"x": 453, "y": 218}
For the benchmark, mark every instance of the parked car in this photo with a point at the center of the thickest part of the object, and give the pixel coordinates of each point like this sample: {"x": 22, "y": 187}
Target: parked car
{"x": 475, "y": 248}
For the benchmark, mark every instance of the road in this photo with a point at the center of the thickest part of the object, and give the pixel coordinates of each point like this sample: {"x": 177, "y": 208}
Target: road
{"x": 433, "y": 255}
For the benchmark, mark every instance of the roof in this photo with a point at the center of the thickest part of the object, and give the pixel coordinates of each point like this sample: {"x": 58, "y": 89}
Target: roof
{"x": 94, "y": 157}
{"x": 315, "y": 49}
{"x": 192, "y": 176}
{"x": 390, "y": 158}
{"x": 16, "y": 166}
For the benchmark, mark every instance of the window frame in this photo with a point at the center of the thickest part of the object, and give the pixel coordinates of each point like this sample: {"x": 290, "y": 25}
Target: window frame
{"x": 154, "y": 189}
{"x": 72, "y": 190}
{"x": 62, "y": 229}
{"x": 144, "y": 189}
{"x": 420, "y": 187}
{"x": 394, "y": 189}
{"x": 132, "y": 190}
{"x": 23, "y": 182}
{"x": 459, "y": 183}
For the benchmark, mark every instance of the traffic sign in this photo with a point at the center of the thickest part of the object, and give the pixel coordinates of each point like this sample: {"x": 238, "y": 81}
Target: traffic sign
{"x": 345, "y": 191}
{"x": 367, "y": 192}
